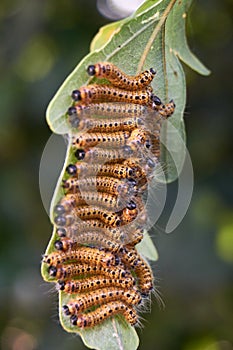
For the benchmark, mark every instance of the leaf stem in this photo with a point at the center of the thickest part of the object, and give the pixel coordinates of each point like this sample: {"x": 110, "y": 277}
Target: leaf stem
{"x": 154, "y": 34}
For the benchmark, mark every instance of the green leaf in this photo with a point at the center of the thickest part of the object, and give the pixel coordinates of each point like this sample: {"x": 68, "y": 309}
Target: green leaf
{"x": 153, "y": 37}
{"x": 110, "y": 335}
{"x": 146, "y": 248}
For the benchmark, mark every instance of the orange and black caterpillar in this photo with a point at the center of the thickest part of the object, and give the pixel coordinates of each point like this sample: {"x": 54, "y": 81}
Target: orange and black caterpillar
{"x": 93, "y": 283}
{"x": 118, "y": 171}
{"x": 74, "y": 270}
{"x": 91, "y": 319}
{"x": 101, "y": 296}
{"x": 106, "y": 93}
{"x": 101, "y": 183}
{"x": 101, "y": 199}
{"x": 132, "y": 259}
{"x": 89, "y": 255}
{"x": 101, "y": 155}
{"x": 108, "y": 125}
{"x": 118, "y": 110}
{"x": 97, "y": 239}
{"x": 85, "y": 212}
{"x": 132, "y": 234}
{"x": 118, "y": 78}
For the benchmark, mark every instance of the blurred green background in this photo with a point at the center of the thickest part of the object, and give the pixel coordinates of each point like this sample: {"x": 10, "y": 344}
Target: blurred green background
{"x": 41, "y": 42}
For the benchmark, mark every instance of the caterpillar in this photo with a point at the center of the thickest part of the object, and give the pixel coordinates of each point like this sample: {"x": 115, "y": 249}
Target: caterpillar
{"x": 102, "y": 199}
{"x": 91, "y": 238}
{"x": 101, "y": 155}
{"x": 93, "y": 283}
{"x": 124, "y": 110}
{"x": 105, "y": 93}
{"x": 118, "y": 78}
{"x": 110, "y": 140}
{"x": 132, "y": 259}
{"x": 101, "y": 183}
{"x": 132, "y": 234}
{"x": 139, "y": 138}
{"x": 82, "y": 254}
{"x": 165, "y": 110}
{"x": 101, "y": 296}
{"x": 87, "y": 213}
{"x": 112, "y": 170}
{"x": 109, "y": 125}
{"x": 103, "y": 312}
{"x": 73, "y": 270}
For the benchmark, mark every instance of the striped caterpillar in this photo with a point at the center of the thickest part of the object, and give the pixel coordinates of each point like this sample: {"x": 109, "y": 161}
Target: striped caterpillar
{"x": 103, "y": 312}
{"x": 118, "y": 78}
{"x": 102, "y": 296}
{"x": 105, "y": 93}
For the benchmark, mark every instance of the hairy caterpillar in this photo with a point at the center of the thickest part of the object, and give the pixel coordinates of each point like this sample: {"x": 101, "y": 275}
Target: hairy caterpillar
{"x": 109, "y": 140}
{"x": 106, "y": 93}
{"x": 118, "y": 78}
{"x": 101, "y": 296}
{"x": 105, "y": 109}
{"x": 132, "y": 234}
{"x": 93, "y": 283}
{"x": 63, "y": 272}
{"x": 101, "y": 183}
{"x": 97, "y": 316}
{"x": 82, "y": 254}
{"x": 112, "y": 170}
{"x": 132, "y": 259}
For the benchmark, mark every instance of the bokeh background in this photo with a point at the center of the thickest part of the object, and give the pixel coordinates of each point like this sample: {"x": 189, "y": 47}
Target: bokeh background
{"x": 41, "y": 42}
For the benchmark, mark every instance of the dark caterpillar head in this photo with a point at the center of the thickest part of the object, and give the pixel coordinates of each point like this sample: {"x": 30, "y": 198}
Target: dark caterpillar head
{"x": 76, "y": 95}
{"x": 71, "y": 169}
{"x": 79, "y": 154}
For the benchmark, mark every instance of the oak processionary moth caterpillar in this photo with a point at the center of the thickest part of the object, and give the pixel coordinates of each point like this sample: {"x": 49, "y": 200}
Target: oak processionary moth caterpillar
{"x": 99, "y": 220}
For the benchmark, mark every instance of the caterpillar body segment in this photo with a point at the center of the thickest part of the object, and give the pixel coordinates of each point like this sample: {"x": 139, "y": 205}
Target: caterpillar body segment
{"x": 118, "y": 78}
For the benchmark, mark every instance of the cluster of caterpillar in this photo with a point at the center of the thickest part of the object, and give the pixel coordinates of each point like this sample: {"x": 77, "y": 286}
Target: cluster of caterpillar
{"x": 100, "y": 218}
